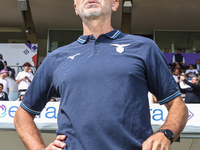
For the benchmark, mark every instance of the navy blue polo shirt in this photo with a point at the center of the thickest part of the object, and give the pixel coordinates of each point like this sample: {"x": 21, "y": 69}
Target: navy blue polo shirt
{"x": 103, "y": 85}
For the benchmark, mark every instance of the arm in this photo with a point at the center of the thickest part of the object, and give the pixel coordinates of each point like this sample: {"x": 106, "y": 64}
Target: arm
{"x": 18, "y": 81}
{"x": 8, "y": 90}
{"x": 184, "y": 61}
{"x": 187, "y": 73}
{"x": 173, "y": 59}
{"x": 194, "y": 86}
{"x": 27, "y": 130}
{"x": 178, "y": 83}
{"x": 28, "y": 79}
{"x": 176, "y": 121}
{"x": 29, "y": 133}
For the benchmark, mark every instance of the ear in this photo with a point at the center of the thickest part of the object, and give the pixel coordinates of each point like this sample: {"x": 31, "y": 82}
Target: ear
{"x": 115, "y": 5}
{"x": 75, "y": 9}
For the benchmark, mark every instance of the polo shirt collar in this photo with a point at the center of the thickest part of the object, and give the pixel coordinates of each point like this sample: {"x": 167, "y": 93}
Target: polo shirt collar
{"x": 112, "y": 34}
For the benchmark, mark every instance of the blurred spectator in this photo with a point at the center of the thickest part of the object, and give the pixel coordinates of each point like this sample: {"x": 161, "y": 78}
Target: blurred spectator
{"x": 28, "y": 42}
{"x": 183, "y": 50}
{"x": 191, "y": 72}
{"x": 24, "y": 78}
{"x": 176, "y": 74}
{"x": 177, "y": 66}
{"x": 197, "y": 65}
{"x": 171, "y": 69}
{"x": 3, "y": 95}
{"x": 14, "y": 42}
{"x": 166, "y": 50}
{"x": 10, "y": 70}
{"x": 53, "y": 99}
{"x": 4, "y": 81}
{"x": 21, "y": 96}
{"x": 6, "y": 67}
{"x": 179, "y": 59}
{"x": 192, "y": 94}
{"x": 30, "y": 70}
{"x": 1, "y": 62}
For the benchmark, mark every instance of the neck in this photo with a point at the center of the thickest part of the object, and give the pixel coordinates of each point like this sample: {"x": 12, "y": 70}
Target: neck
{"x": 97, "y": 26}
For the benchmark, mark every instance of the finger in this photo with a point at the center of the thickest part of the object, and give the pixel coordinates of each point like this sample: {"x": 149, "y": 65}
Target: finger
{"x": 61, "y": 137}
{"x": 52, "y": 147}
{"x": 147, "y": 145}
{"x": 157, "y": 146}
{"x": 59, "y": 144}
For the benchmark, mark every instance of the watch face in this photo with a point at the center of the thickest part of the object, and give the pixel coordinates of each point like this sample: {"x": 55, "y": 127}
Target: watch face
{"x": 169, "y": 134}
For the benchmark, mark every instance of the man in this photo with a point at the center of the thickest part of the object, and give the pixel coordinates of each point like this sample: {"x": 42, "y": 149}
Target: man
{"x": 192, "y": 94}
{"x": 24, "y": 78}
{"x": 179, "y": 58}
{"x": 176, "y": 73}
{"x": 4, "y": 81}
{"x": 183, "y": 50}
{"x": 11, "y": 71}
{"x": 3, "y": 95}
{"x": 103, "y": 80}
{"x": 166, "y": 50}
{"x": 197, "y": 65}
{"x": 191, "y": 72}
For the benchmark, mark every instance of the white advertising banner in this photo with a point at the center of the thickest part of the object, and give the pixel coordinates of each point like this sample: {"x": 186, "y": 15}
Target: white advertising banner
{"x": 18, "y": 54}
{"x": 47, "y": 120}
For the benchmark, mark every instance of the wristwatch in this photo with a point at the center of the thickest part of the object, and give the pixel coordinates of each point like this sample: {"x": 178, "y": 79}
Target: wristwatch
{"x": 168, "y": 133}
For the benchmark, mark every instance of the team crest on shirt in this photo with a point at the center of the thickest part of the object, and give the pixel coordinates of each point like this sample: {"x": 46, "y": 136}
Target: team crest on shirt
{"x": 120, "y": 47}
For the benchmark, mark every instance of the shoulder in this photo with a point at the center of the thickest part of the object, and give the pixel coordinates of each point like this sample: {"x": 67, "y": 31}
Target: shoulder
{"x": 146, "y": 45}
{"x": 54, "y": 55}
{"x": 137, "y": 38}
{"x": 4, "y": 93}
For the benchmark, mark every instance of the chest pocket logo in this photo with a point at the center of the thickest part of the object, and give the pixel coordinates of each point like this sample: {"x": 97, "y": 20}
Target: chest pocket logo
{"x": 72, "y": 57}
{"x": 120, "y": 47}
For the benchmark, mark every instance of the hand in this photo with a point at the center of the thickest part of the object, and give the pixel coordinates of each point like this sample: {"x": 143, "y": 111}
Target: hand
{"x": 157, "y": 141}
{"x": 24, "y": 78}
{"x": 57, "y": 144}
{"x": 182, "y": 78}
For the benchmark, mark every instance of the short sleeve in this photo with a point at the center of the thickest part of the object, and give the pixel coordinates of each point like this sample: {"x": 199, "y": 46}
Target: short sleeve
{"x": 160, "y": 80}
{"x": 41, "y": 88}
{"x": 7, "y": 83}
{"x": 17, "y": 77}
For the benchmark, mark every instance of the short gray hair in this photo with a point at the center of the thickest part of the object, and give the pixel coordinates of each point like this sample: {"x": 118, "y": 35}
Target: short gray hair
{"x": 197, "y": 79}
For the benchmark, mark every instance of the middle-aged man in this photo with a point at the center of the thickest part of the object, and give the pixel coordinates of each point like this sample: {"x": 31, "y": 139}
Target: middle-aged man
{"x": 197, "y": 65}
{"x": 103, "y": 80}
{"x": 179, "y": 58}
{"x": 192, "y": 93}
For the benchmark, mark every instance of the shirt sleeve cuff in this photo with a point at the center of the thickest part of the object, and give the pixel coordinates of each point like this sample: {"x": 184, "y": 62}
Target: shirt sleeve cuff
{"x": 169, "y": 98}
{"x": 29, "y": 110}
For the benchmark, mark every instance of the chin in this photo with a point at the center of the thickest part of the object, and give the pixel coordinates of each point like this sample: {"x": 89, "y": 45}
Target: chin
{"x": 92, "y": 13}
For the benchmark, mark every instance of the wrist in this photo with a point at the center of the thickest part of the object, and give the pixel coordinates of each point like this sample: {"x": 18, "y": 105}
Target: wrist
{"x": 168, "y": 134}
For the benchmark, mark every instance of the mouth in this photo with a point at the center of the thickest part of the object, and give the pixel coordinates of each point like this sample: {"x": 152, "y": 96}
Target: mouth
{"x": 91, "y": 2}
